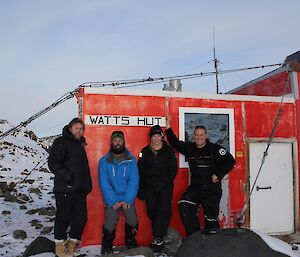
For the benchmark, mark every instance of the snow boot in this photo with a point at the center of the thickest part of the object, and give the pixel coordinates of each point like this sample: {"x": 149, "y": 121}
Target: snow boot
{"x": 130, "y": 233}
{"x": 61, "y": 248}
{"x": 73, "y": 247}
{"x": 107, "y": 241}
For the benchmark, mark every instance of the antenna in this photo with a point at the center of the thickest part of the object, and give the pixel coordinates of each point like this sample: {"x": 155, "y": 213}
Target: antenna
{"x": 216, "y": 61}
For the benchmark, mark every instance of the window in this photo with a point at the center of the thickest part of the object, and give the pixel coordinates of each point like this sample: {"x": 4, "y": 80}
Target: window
{"x": 219, "y": 123}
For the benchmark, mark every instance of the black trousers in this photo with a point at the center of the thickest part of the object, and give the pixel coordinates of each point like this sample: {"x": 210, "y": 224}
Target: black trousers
{"x": 189, "y": 205}
{"x": 159, "y": 204}
{"x": 70, "y": 211}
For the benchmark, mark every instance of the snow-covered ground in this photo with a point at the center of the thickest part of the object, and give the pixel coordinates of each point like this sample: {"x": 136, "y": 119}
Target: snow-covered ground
{"x": 19, "y": 154}
{"x": 278, "y": 245}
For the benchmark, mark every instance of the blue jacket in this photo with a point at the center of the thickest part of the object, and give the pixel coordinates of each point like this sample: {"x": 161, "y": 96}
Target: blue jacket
{"x": 119, "y": 182}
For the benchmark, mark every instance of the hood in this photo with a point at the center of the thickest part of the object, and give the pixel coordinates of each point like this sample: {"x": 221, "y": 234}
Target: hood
{"x": 66, "y": 133}
{"x": 126, "y": 156}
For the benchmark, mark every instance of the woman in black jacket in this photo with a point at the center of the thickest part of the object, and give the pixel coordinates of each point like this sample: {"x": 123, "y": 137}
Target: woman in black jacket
{"x": 158, "y": 168}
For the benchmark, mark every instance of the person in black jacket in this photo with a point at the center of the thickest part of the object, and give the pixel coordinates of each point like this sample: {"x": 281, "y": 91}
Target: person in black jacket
{"x": 208, "y": 163}
{"x": 72, "y": 182}
{"x": 158, "y": 168}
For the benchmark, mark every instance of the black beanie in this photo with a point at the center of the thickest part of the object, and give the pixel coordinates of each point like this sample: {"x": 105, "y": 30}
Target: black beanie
{"x": 156, "y": 130}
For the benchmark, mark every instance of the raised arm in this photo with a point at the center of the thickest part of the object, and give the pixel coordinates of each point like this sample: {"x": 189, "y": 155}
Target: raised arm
{"x": 179, "y": 145}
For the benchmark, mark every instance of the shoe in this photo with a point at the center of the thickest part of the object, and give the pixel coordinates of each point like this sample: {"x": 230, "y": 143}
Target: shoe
{"x": 73, "y": 247}
{"x": 61, "y": 248}
{"x": 107, "y": 241}
{"x": 105, "y": 251}
{"x": 157, "y": 245}
{"x": 130, "y": 233}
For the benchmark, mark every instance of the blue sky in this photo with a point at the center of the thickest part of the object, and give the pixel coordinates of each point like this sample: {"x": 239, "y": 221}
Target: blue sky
{"x": 50, "y": 47}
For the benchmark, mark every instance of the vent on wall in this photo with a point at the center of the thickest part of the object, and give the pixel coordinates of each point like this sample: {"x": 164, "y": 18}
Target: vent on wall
{"x": 174, "y": 85}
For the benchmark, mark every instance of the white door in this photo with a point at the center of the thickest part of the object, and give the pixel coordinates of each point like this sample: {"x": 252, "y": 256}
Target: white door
{"x": 272, "y": 200}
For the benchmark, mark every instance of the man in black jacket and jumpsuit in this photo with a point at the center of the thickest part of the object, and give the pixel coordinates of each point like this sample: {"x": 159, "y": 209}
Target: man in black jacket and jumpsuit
{"x": 208, "y": 163}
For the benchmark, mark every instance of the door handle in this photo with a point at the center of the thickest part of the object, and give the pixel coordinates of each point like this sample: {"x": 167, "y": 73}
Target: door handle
{"x": 263, "y": 188}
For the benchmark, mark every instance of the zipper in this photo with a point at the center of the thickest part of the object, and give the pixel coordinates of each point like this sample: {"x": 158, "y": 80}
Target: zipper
{"x": 124, "y": 170}
{"x": 125, "y": 161}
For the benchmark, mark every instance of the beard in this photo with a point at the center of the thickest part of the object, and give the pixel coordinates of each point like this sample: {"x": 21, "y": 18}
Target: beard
{"x": 118, "y": 149}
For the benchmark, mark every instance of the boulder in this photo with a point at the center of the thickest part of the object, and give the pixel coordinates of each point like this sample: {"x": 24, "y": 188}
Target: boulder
{"x": 47, "y": 211}
{"x": 46, "y": 230}
{"x": 226, "y": 243}
{"x": 19, "y": 234}
{"x": 173, "y": 241}
{"x": 39, "y": 245}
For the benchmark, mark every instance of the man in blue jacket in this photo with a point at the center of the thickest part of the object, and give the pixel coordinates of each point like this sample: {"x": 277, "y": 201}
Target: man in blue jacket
{"x": 119, "y": 182}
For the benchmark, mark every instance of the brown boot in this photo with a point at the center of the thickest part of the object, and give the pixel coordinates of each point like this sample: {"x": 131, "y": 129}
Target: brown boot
{"x": 60, "y": 248}
{"x": 73, "y": 247}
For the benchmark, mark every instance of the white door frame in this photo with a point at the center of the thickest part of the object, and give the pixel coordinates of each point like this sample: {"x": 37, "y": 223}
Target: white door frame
{"x": 293, "y": 141}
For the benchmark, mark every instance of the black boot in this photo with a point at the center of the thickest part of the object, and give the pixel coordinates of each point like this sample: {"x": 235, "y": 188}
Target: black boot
{"x": 157, "y": 245}
{"x": 107, "y": 241}
{"x": 211, "y": 226}
{"x": 130, "y": 233}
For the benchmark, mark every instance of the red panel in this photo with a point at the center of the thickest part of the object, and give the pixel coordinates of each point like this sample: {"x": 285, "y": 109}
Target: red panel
{"x": 272, "y": 86}
{"x": 261, "y": 116}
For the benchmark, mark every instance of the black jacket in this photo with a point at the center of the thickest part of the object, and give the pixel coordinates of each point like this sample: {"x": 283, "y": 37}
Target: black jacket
{"x": 68, "y": 162}
{"x": 203, "y": 162}
{"x": 157, "y": 170}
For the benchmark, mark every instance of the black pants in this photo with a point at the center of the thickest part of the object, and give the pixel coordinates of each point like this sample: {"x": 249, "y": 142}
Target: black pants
{"x": 189, "y": 204}
{"x": 159, "y": 206}
{"x": 70, "y": 211}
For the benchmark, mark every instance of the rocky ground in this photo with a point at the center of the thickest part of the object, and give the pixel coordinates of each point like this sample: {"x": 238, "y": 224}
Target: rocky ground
{"x": 26, "y": 198}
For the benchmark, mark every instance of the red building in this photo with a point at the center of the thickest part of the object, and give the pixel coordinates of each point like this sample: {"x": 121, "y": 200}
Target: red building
{"x": 241, "y": 121}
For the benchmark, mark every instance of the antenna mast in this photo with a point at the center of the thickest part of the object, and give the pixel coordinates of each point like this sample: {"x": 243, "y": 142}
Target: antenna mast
{"x": 216, "y": 62}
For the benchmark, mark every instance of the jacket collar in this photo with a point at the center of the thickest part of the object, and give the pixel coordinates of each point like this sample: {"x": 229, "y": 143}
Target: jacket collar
{"x": 125, "y": 157}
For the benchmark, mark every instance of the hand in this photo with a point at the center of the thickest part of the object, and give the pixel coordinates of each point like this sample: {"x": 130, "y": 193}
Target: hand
{"x": 125, "y": 206}
{"x": 214, "y": 179}
{"x": 168, "y": 121}
{"x": 116, "y": 206}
